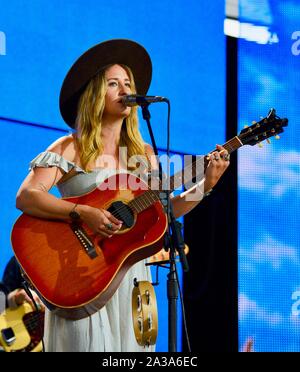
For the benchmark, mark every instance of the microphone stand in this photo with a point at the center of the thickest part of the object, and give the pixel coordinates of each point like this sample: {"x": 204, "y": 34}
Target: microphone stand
{"x": 173, "y": 240}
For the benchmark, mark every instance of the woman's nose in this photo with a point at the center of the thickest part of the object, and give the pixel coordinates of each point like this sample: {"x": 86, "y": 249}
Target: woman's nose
{"x": 123, "y": 89}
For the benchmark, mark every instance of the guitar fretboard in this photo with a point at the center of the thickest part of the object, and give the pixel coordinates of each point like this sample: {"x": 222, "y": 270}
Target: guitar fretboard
{"x": 195, "y": 169}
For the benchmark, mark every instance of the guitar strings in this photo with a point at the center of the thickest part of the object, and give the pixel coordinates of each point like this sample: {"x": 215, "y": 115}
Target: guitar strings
{"x": 148, "y": 193}
{"x": 32, "y": 322}
{"x": 229, "y": 146}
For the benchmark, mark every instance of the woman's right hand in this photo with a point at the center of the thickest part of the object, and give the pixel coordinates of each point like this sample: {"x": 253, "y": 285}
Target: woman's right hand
{"x": 100, "y": 221}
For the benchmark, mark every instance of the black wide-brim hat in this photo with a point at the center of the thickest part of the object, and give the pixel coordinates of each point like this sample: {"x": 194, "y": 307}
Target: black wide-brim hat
{"x": 116, "y": 51}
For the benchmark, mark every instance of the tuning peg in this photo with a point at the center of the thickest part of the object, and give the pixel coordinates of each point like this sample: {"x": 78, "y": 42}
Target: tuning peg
{"x": 254, "y": 122}
{"x": 268, "y": 140}
{"x": 246, "y": 126}
{"x": 260, "y": 145}
{"x": 277, "y": 137}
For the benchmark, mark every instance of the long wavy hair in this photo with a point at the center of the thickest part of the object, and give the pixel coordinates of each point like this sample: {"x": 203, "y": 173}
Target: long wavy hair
{"x": 89, "y": 122}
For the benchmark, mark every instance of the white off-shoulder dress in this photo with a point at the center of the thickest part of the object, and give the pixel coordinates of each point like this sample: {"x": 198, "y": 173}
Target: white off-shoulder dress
{"x": 111, "y": 328}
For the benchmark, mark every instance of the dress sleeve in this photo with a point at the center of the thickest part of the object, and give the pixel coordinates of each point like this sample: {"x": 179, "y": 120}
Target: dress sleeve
{"x": 51, "y": 159}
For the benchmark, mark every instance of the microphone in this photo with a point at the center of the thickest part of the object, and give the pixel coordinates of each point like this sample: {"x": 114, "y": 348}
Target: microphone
{"x": 137, "y": 100}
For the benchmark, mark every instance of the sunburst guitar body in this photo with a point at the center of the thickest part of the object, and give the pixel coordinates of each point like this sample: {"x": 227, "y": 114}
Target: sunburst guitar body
{"x": 75, "y": 271}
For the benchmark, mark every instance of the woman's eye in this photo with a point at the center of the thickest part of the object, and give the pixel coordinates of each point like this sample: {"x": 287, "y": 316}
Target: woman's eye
{"x": 115, "y": 84}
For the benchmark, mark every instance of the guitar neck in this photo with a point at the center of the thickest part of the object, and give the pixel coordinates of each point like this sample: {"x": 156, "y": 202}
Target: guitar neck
{"x": 197, "y": 168}
{"x": 187, "y": 174}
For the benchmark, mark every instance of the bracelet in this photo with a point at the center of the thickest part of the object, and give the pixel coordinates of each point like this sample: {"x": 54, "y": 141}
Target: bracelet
{"x": 207, "y": 193}
{"x": 75, "y": 216}
{"x": 197, "y": 185}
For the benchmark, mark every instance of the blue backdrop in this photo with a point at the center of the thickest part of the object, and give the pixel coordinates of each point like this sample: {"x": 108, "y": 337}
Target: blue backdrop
{"x": 39, "y": 40}
{"x": 269, "y": 181}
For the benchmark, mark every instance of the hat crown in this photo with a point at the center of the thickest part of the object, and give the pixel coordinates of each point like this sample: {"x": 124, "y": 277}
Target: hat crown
{"x": 115, "y": 51}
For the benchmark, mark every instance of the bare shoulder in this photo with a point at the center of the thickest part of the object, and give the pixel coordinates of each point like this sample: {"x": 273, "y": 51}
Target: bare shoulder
{"x": 65, "y": 146}
{"x": 151, "y": 155}
{"x": 148, "y": 149}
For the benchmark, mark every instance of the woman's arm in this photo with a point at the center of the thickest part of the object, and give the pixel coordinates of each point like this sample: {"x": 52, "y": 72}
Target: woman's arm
{"x": 214, "y": 171}
{"x": 34, "y": 199}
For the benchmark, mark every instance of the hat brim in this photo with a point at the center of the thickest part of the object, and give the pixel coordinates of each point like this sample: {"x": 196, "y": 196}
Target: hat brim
{"x": 116, "y": 51}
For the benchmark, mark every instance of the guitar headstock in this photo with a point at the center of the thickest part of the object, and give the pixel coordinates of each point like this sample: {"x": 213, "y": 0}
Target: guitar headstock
{"x": 267, "y": 127}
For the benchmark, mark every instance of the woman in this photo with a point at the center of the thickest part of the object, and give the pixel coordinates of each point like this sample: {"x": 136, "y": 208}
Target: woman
{"x": 91, "y": 102}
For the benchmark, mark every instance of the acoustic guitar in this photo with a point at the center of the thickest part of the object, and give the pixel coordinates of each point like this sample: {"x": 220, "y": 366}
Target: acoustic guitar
{"x": 21, "y": 329}
{"x": 75, "y": 271}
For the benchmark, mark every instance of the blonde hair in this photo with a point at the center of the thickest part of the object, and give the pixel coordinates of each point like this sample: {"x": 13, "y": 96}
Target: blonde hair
{"x": 89, "y": 122}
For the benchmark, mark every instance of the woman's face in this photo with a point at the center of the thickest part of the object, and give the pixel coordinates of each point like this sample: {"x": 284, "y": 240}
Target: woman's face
{"x": 118, "y": 85}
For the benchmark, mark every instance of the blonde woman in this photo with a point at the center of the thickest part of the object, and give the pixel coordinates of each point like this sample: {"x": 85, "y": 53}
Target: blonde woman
{"x": 91, "y": 103}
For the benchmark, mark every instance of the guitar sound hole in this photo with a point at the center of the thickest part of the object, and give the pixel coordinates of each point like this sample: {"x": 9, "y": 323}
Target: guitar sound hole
{"x": 122, "y": 212}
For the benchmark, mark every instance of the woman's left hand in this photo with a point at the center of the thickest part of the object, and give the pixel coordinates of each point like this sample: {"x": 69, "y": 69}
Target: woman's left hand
{"x": 219, "y": 162}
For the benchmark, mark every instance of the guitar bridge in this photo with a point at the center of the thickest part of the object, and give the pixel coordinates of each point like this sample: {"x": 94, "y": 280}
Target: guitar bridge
{"x": 84, "y": 240}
